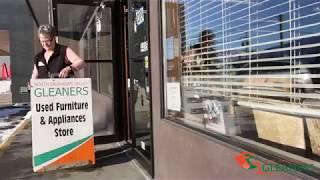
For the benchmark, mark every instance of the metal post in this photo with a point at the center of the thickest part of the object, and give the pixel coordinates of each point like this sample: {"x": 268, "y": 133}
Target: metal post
{"x": 50, "y": 12}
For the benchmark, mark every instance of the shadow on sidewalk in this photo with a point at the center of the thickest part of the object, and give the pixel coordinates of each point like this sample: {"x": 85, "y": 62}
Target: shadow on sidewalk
{"x": 111, "y": 163}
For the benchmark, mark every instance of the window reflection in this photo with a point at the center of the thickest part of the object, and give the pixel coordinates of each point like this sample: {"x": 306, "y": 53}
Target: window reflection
{"x": 248, "y": 69}
{"x": 78, "y": 29}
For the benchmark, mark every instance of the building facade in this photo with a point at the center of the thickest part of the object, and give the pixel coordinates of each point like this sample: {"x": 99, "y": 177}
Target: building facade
{"x": 245, "y": 73}
{"x": 202, "y": 89}
{"x": 17, "y": 48}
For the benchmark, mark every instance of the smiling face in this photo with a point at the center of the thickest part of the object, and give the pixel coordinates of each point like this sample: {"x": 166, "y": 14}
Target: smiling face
{"x": 47, "y": 41}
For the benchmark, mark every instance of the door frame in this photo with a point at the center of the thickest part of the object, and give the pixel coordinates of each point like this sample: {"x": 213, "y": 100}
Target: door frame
{"x": 119, "y": 63}
{"x": 143, "y": 160}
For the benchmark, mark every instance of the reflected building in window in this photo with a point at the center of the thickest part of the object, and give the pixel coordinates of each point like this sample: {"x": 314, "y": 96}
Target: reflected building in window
{"x": 258, "y": 61}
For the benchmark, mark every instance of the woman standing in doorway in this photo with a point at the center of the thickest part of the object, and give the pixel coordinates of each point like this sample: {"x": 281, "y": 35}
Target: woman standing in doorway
{"x": 55, "y": 60}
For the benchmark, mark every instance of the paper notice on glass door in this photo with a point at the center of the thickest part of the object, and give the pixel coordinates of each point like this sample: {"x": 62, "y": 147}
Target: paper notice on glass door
{"x": 173, "y": 96}
{"x": 139, "y": 16}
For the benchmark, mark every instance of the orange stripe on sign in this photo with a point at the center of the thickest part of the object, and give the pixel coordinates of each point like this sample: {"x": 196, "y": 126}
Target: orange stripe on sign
{"x": 85, "y": 152}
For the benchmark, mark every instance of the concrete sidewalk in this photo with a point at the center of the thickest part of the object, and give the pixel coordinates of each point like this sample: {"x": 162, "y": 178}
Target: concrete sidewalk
{"x": 112, "y": 162}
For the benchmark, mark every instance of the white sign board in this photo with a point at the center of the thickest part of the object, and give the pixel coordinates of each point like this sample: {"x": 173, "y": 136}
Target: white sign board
{"x": 139, "y": 16}
{"x": 62, "y": 125}
{"x": 214, "y": 115}
{"x": 144, "y": 46}
{"x": 173, "y": 96}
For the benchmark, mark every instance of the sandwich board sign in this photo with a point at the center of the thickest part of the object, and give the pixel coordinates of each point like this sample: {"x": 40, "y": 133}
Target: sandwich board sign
{"x": 62, "y": 124}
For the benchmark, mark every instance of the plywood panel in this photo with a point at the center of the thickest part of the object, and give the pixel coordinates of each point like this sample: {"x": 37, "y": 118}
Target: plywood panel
{"x": 280, "y": 128}
{"x": 314, "y": 134}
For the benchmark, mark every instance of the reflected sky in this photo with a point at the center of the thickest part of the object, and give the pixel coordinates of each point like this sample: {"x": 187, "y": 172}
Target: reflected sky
{"x": 263, "y": 20}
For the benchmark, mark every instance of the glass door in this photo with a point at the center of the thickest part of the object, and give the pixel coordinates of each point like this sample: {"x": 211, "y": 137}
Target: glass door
{"x": 87, "y": 28}
{"x": 140, "y": 80}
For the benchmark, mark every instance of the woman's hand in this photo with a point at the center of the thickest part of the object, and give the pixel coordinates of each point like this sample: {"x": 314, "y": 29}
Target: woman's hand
{"x": 65, "y": 72}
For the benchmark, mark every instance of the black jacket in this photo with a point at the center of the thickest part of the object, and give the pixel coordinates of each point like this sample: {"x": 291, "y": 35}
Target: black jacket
{"x": 56, "y": 63}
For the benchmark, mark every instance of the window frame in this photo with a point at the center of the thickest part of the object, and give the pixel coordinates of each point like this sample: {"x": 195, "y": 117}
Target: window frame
{"x": 264, "y": 154}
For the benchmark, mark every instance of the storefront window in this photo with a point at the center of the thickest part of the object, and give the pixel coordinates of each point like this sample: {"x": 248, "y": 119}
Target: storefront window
{"x": 248, "y": 69}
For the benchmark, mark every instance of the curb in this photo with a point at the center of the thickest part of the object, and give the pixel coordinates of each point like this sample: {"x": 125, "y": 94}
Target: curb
{"x": 6, "y": 143}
